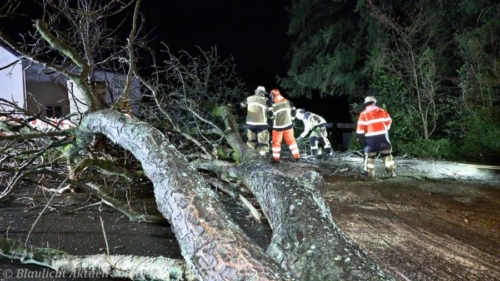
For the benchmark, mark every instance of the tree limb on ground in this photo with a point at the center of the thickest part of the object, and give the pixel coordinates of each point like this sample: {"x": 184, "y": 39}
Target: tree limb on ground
{"x": 108, "y": 200}
{"x": 306, "y": 240}
{"x": 214, "y": 246}
{"x": 116, "y": 266}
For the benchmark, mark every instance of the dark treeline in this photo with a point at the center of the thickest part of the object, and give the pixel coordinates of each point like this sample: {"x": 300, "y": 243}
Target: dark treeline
{"x": 435, "y": 65}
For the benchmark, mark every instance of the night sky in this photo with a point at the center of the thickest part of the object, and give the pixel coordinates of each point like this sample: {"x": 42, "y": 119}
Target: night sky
{"x": 254, "y": 33}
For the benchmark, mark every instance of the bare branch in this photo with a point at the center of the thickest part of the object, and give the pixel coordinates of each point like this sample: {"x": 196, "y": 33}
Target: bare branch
{"x": 9, "y": 8}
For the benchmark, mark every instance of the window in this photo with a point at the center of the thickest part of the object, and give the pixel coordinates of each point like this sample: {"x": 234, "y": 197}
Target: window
{"x": 100, "y": 90}
{"x": 53, "y": 111}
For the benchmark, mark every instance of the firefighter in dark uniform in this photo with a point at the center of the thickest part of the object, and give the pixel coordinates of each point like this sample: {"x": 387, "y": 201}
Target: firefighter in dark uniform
{"x": 317, "y": 126}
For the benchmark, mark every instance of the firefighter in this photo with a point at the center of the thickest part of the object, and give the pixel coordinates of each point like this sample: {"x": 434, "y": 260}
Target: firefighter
{"x": 373, "y": 126}
{"x": 281, "y": 113}
{"x": 317, "y": 126}
{"x": 256, "y": 121}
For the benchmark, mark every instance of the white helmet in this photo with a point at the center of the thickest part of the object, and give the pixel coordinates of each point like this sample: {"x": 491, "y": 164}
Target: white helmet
{"x": 300, "y": 113}
{"x": 261, "y": 89}
{"x": 370, "y": 99}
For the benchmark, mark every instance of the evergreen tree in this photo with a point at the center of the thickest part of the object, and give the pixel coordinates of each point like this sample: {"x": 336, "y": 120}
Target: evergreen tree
{"x": 434, "y": 64}
{"x": 328, "y": 54}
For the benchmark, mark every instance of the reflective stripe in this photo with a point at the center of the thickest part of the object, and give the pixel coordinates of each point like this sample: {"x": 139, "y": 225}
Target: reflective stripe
{"x": 283, "y": 126}
{"x": 280, "y": 110}
{"x": 389, "y": 163}
{"x": 376, "y": 133}
{"x": 295, "y": 151}
{"x": 293, "y": 146}
{"x": 370, "y": 166}
{"x": 257, "y": 104}
{"x": 361, "y": 122}
{"x": 276, "y": 155}
{"x": 360, "y": 132}
{"x": 276, "y": 149}
{"x": 257, "y": 123}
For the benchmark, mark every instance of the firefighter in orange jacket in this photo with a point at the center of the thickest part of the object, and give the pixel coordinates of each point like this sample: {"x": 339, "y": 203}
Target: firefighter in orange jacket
{"x": 373, "y": 125}
{"x": 281, "y": 113}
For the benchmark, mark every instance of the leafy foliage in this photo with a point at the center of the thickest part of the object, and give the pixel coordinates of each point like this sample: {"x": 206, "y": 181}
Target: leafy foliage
{"x": 440, "y": 149}
{"x": 481, "y": 142}
{"x": 434, "y": 65}
{"x": 327, "y": 54}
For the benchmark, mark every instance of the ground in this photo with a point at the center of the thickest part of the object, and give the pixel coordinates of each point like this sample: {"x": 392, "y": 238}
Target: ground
{"x": 434, "y": 221}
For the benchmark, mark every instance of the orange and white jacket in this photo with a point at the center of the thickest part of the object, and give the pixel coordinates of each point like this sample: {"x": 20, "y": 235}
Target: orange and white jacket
{"x": 373, "y": 121}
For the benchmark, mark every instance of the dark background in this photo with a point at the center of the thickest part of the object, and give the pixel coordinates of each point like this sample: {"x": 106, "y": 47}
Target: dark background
{"x": 253, "y": 33}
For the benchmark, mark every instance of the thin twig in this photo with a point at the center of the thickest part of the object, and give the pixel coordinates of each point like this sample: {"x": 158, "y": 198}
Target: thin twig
{"x": 104, "y": 233}
{"x": 43, "y": 210}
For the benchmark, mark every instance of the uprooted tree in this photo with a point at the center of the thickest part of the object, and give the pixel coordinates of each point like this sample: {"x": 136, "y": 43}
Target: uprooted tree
{"x": 188, "y": 127}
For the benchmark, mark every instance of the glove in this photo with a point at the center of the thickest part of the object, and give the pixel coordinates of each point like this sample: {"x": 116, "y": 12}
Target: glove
{"x": 299, "y": 139}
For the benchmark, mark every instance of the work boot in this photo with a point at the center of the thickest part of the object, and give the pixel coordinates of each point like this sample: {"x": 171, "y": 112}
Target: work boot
{"x": 390, "y": 172}
{"x": 275, "y": 161}
{"x": 370, "y": 167}
{"x": 329, "y": 156}
{"x": 370, "y": 173}
{"x": 389, "y": 165}
{"x": 329, "y": 152}
{"x": 263, "y": 150}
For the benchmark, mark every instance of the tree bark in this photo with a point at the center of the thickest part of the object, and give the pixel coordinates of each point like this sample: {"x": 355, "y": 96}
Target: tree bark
{"x": 306, "y": 240}
{"x": 97, "y": 266}
{"x": 214, "y": 246}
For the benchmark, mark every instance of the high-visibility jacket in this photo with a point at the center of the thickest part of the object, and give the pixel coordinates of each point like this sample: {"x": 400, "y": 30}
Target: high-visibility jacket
{"x": 256, "y": 110}
{"x": 311, "y": 120}
{"x": 282, "y": 114}
{"x": 373, "y": 121}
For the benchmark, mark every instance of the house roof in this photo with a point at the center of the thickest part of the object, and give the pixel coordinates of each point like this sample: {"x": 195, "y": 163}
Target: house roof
{"x": 9, "y": 49}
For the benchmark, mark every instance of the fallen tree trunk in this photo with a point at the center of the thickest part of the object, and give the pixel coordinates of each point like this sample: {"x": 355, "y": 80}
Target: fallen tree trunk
{"x": 306, "y": 243}
{"x": 212, "y": 245}
{"x": 306, "y": 240}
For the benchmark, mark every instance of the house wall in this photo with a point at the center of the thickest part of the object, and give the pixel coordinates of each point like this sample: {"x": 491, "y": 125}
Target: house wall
{"x": 114, "y": 84}
{"x": 11, "y": 79}
{"x": 34, "y": 88}
{"x": 45, "y": 88}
